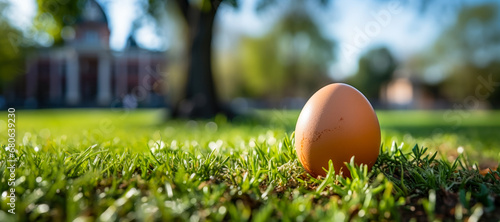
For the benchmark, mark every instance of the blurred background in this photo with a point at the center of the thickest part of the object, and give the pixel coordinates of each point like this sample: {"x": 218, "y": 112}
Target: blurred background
{"x": 203, "y": 57}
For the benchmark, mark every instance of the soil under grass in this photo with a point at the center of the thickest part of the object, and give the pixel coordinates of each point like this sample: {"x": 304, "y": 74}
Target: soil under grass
{"x": 133, "y": 166}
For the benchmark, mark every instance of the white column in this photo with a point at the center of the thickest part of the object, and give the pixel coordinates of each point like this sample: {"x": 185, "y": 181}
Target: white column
{"x": 72, "y": 78}
{"x": 104, "y": 80}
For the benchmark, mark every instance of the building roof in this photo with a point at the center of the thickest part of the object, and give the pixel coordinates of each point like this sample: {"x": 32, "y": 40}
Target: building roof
{"x": 131, "y": 42}
{"x": 92, "y": 12}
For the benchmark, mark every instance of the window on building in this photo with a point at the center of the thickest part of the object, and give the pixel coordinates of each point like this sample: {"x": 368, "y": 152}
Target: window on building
{"x": 91, "y": 36}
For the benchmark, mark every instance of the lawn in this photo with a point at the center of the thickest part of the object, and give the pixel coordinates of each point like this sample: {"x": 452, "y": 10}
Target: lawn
{"x": 106, "y": 165}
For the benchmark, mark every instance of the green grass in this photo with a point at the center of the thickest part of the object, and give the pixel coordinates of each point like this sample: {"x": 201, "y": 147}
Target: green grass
{"x": 88, "y": 165}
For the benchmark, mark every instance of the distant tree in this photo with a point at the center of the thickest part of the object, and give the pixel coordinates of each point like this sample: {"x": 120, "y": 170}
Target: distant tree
{"x": 12, "y": 42}
{"x": 199, "y": 99}
{"x": 468, "y": 51}
{"x": 53, "y": 15}
{"x": 291, "y": 60}
{"x": 375, "y": 69}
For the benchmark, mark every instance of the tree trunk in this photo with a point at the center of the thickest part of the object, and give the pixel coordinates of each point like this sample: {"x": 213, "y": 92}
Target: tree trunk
{"x": 199, "y": 99}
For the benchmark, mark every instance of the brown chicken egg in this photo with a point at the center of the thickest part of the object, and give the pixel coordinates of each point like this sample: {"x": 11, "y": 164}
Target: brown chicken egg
{"x": 336, "y": 124}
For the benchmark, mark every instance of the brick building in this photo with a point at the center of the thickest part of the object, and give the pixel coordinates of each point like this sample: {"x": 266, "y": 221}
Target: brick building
{"x": 85, "y": 72}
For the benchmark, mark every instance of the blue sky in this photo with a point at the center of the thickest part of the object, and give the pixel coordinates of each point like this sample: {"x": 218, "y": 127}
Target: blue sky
{"x": 400, "y": 27}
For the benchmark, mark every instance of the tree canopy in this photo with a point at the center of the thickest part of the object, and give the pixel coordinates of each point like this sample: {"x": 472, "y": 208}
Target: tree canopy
{"x": 467, "y": 51}
{"x": 291, "y": 60}
{"x": 11, "y": 49}
{"x": 375, "y": 69}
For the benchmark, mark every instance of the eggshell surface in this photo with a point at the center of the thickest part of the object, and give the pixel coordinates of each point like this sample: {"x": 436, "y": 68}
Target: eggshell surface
{"x": 336, "y": 124}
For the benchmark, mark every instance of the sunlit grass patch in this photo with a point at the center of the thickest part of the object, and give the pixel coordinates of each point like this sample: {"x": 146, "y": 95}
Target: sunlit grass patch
{"x": 104, "y": 165}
